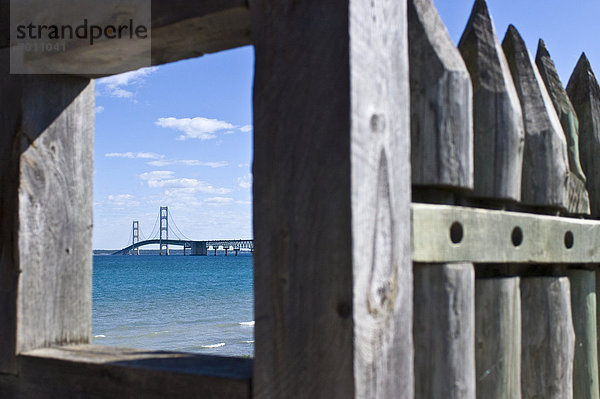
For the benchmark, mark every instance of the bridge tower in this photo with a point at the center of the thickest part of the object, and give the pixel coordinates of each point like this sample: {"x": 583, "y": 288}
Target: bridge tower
{"x": 164, "y": 229}
{"x": 136, "y": 236}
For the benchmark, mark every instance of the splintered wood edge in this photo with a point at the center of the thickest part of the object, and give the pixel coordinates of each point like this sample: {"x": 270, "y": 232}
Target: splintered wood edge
{"x": 442, "y": 233}
{"x": 111, "y": 371}
{"x": 181, "y": 362}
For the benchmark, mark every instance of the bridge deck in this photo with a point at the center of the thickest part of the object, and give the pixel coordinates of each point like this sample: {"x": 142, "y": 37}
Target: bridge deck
{"x": 236, "y": 244}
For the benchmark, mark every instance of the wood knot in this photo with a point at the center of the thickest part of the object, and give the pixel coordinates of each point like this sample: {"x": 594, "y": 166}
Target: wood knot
{"x": 383, "y": 288}
{"x": 377, "y": 123}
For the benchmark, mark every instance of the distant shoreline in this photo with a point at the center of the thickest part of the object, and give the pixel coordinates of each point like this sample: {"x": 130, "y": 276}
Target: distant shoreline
{"x": 103, "y": 252}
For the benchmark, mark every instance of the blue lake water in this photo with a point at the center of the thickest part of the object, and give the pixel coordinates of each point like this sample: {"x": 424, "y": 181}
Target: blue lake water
{"x": 201, "y": 304}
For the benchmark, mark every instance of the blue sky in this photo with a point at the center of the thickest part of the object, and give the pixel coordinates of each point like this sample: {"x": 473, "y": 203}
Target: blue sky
{"x": 568, "y": 27}
{"x": 180, "y": 135}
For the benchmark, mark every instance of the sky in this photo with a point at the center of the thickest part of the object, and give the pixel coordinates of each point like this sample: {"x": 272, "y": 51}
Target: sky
{"x": 177, "y": 135}
{"x": 180, "y": 135}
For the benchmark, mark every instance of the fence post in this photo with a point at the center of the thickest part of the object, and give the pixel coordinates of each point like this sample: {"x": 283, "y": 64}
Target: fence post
{"x": 583, "y": 290}
{"x": 584, "y": 93}
{"x": 46, "y": 167}
{"x": 498, "y": 138}
{"x": 579, "y": 203}
{"x": 547, "y": 326}
{"x": 333, "y": 276}
{"x": 548, "y": 338}
{"x": 498, "y": 342}
{"x": 442, "y": 167}
{"x": 545, "y": 164}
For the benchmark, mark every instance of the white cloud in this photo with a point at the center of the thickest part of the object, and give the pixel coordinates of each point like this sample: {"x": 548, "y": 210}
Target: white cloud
{"x": 120, "y": 197}
{"x": 115, "y": 85}
{"x": 245, "y": 181}
{"x": 173, "y": 183}
{"x": 176, "y": 186}
{"x": 192, "y": 185}
{"x": 134, "y": 155}
{"x": 156, "y": 175}
{"x": 195, "y": 128}
{"x": 122, "y": 200}
{"x": 160, "y": 160}
{"x": 243, "y": 165}
{"x": 218, "y": 200}
{"x": 120, "y": 93}
{"x": 99, "y": 109}
{"x": 187, "y": 162}
{"x": 246, "y": 128}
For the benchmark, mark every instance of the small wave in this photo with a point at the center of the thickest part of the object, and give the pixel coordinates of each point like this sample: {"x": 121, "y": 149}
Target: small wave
{"x": 213, "y": 346}
{"x": 100, "y": 336}
{"x": 248, "y": 342}
{"x": 247, "y": 323}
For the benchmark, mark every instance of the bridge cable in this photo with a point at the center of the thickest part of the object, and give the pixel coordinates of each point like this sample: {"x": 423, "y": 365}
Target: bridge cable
{"x": 141, "y": 237}
{"x": 130, "y": 239}
{"x": 155, "y": 224}
{"x": 175, "y": 224}
{"x": 173, "y": 232}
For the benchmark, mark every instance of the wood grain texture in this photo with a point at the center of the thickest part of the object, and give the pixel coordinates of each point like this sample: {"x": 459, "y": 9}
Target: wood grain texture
{"x": 497, "y": 114}
{"x": 583, "y": 305}
{"x": 584, "y": 92}
{"x": 488, "y": 237}
{"x": 498, "y": 338}
{"x": 548, "y": 339}
{"x": 184, "y": 29}
{"x": 444, "y": 331}
{"x": 179, "y": 30}
{"x": 579, "y": 203}
{"x": 544, "y": 180}
{"x": 562, "y": 104}
{"x": 47, "y": 164}
{"x": 331, "y": 173}
{"x": 85, "y": 371}
{"x": 579, "y": 199}
{"x": 441, "y": 103}
{"x": 55, "y": 216}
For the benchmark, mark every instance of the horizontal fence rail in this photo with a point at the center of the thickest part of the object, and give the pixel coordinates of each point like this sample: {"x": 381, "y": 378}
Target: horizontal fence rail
{"x": 443, "y": 233}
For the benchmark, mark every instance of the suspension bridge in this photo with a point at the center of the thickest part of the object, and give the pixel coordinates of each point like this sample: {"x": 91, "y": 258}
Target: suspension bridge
{"x": 160, "y": 236}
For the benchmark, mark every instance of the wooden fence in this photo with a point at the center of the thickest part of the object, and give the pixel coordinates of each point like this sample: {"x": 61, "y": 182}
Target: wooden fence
{"x": 504, "y": 272}
{"x": 480, "y": 284}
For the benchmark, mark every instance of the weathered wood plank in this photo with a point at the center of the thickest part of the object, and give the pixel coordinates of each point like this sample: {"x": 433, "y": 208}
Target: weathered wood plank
{"x": 47, "y": 143}
{"x": 444, "y": 331}
{"x": 579, "y": 203}
{"x": 548, "y": 338}
{"x": 498, "y": 338}
{"x": 497, "y": 114}
{"x": 55, "y": 214}
{"x": 441, "y": 103}
{"x": 584, "y": 93}
{"x": 583, "y": 305}
{"x": 184, "y": 29}
{"x": 331, "y": 173}
{"x": 501, "y": 237}
{"x": 92, "y": 371}
{"x": 179, "y": 30}
{"x": 544, "y": 180}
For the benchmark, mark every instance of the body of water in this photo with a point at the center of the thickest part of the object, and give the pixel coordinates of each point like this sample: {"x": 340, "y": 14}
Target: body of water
{"x": 201, "y": 304}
